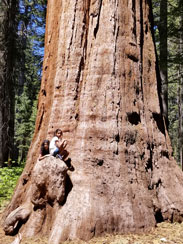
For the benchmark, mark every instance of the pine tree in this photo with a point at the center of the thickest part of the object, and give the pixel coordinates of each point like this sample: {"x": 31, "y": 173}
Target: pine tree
{"x": 180, "y": 78}
{"x": 163, "y": 56}
{"x": 8, "y": 28}
{"x": 31, "y": 42}
{"x": 170, "y": 61}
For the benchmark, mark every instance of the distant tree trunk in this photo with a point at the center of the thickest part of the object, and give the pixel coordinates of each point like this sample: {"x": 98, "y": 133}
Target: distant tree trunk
{"x": 163, "y": 57}
{"x": 7, "y": 97}
{"x": 180, "y": 89}
{"x": 180, "y": 128}
{"x": 23, "y": 32}
{"x": 100, "y": 86}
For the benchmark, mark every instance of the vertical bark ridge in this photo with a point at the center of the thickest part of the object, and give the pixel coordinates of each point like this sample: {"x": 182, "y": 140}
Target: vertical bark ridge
{"x": 73, "y": 24}
{"x": 98, "y": 19}
{"x": 134, "y": 19}
{"x": 141, "y": 44}
{"x": 115, "y": 33}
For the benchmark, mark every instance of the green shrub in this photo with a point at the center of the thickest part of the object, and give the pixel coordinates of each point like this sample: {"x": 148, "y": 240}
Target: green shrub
{"x": 8, "y": 179}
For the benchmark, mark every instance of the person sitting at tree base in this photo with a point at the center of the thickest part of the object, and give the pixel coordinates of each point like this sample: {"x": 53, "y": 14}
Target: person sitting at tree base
{"x": 57, "y": 145}
{"x": 44, "y": 152}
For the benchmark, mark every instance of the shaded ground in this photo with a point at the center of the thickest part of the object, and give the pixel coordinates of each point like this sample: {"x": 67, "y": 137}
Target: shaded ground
{"x": 164, "y": 233}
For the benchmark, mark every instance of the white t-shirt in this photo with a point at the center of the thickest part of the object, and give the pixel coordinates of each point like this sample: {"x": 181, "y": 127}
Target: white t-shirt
{"x": 53, "y": 145}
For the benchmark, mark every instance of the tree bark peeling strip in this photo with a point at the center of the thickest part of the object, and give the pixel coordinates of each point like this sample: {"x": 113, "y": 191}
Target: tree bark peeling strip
{"x": 114, "y": 66}
{"x": 73, "y": 26}
{"x": 80, "y": 68}
{"x": 141, "y": 46}
{"x": 98, "y": 20}
{"x": 134, "y": 18}
{"x": 41, "y": 117}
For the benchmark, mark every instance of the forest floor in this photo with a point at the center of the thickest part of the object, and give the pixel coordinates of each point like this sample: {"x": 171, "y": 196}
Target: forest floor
{"x": 164, "y": 233}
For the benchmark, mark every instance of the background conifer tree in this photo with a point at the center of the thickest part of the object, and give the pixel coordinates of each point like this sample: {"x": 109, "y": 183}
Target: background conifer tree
{"x": 31, "y": 42}
{"x": 8, "y": 28}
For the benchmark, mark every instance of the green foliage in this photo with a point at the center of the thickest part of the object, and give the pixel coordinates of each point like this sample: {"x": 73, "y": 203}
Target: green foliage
{"x": 8, "y": 180}
{"x": 30, "y": 45}
{"x": 24, "y": 124}
{"x": 173, "y": 118}
{"x": 175, "y": 59}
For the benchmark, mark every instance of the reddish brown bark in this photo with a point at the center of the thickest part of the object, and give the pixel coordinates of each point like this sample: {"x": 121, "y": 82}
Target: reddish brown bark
{"x": 100, "y": 86}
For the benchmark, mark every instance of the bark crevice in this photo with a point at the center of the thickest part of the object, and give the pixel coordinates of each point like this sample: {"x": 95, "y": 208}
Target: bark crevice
{"x": 73, "y": 26}
{"x": 141, "y": 46}
{"x": 98, "y": 19}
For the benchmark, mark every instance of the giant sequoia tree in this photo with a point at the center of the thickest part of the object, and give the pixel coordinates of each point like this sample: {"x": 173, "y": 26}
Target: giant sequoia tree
{"x": 101, "y": 87}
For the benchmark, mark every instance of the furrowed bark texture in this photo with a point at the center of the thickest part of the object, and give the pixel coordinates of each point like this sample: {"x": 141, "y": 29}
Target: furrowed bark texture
{"x": 100, "y": 86}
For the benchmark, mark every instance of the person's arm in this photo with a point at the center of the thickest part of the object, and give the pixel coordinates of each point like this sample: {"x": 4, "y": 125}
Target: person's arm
{"x": 40, "y": 154}
{"x": 57, "y": 143}
{"x": 63, "y": 144}
{"x": 42, "y": 157}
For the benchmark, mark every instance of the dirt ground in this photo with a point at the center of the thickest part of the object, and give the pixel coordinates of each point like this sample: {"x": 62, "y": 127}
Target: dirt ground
{"x": 165, "y": 233}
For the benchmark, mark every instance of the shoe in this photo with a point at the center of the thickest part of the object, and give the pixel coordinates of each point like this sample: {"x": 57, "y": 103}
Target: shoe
{"x": 69, "y": 165}
{"x": 71, "y": 168}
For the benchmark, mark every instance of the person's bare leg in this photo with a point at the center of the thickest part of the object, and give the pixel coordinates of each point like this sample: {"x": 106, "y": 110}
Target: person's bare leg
{"x": 62, "y": 146}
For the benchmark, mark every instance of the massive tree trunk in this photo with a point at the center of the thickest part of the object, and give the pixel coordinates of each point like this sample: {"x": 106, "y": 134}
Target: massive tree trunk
{"x": 7, "y": 97}
{"x": 100, "y": 86}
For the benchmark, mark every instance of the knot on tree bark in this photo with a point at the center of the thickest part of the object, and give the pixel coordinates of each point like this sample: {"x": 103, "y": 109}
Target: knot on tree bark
{"x": 19, "y": 215}
{"x": 47, "y": 187}
{"x": 48, "y": 181}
